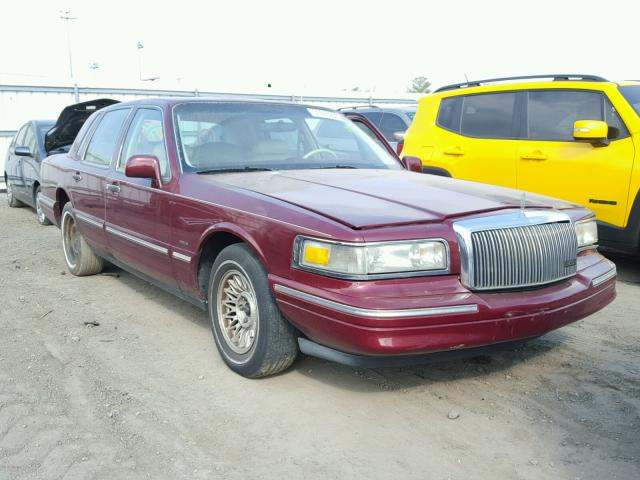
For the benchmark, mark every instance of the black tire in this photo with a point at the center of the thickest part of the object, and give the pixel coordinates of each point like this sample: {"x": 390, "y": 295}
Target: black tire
{"x": 11, "y": 199}
{"x": 78, "y": 255}
{"x": 274, "y": 345}
{"x": 40, "y": 216}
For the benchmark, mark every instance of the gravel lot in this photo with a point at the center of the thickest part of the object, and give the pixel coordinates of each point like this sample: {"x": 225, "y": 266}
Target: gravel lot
{"x": 145, "y": 395}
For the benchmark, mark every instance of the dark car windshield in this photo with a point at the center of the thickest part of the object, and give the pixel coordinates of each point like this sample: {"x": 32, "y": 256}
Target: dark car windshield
{"x": 632, "y": 94}
{"x": 252, "y": 136}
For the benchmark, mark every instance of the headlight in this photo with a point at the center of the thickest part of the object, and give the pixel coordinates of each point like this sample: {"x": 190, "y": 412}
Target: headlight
{"x": 587, "y": 233}
{"x": 371, "y": 260}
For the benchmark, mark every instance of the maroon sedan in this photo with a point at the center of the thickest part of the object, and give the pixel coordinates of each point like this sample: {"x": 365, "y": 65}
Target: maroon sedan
{"x": 297, "y": 230}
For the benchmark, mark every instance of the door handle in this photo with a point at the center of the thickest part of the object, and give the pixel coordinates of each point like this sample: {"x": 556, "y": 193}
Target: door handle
{"x": 113, "y": 188}
{"x": 454, "y": 151}
{"x": 76, "y": 176}
{"x": 535, "y": 155}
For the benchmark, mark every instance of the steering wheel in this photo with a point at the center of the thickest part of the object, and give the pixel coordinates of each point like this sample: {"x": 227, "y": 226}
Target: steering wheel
{"x": 319, "y": 150}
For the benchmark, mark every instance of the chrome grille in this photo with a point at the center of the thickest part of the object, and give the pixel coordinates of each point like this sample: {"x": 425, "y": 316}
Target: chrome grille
{"x": 530, "y": 251}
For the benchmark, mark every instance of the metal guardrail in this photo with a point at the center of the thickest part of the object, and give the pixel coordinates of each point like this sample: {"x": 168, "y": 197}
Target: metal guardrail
{"x": 77, "y": 91}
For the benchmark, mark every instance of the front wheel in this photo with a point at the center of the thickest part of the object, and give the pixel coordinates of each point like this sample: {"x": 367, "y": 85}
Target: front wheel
{"x": 42, "y": 218}
{"x": 252, "y": 336}
{"x": 78, "y": 255}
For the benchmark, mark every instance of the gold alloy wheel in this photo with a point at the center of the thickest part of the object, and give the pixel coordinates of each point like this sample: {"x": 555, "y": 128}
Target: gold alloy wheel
{"x": 237, "y": 311}
{"x": 70, "y": 240}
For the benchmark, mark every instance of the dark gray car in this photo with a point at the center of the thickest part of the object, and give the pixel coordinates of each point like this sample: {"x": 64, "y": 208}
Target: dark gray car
{"x": 36, "y": 140}
{"x": 22, "y": 166}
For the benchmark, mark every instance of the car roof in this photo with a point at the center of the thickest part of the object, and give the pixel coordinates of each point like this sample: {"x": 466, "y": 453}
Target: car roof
{"x": 558, "y": 81}
{"x": 374, "y": 108}
{"x": 172, "y": 101}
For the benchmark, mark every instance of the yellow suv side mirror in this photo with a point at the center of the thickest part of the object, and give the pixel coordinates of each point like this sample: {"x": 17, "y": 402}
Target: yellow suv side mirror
{"x": 595, "y": 132}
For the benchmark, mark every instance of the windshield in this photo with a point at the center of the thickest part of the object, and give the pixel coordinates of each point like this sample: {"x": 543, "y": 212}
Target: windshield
{"x": 234, "y": 136}
{"x": 632, "y": 94}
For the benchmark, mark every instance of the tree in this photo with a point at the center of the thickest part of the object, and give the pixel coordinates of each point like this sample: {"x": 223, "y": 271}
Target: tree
{"x": 419, "y": 85}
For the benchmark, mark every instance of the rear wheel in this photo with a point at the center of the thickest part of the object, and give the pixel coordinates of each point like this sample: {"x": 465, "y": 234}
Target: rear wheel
{"x": 11, "y": 199}
{"x": 42, "y": 218}
{"x": 78, "y": 255}
{"x": 252, "y": 336}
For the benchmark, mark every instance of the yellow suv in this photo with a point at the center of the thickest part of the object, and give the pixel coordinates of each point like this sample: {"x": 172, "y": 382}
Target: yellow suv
{"x": 573, "y": 137}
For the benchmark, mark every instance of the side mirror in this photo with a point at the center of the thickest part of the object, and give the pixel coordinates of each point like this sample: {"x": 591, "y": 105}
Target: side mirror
{"x": 144, "y": 166}
{"x": 413, "y": 164}
{"x": 595, "y": 132}
{"x": 23, "y": 151}
{"x": 399, "y": 136}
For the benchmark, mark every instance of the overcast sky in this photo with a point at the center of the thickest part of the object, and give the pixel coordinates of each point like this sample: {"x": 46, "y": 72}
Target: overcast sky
{"x": 320, "y": 47}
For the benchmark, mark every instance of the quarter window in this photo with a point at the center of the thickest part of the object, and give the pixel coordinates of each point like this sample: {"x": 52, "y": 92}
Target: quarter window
{"x": 552, "y": 113}
{"x": 81, "y": 139}
{"x": 449, "y": 113}
{"x": 489, "y": 115}
{"x": 146, "y": 137}
{"x": 104, "y": 141}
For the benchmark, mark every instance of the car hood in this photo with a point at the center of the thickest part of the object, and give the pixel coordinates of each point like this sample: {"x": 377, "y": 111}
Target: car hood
{"x": 70, "y": 121}
{"x": 374, "y": 198}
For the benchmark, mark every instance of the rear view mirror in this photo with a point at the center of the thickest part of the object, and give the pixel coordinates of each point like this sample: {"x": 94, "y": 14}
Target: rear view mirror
{"x": 23, "y": 151}
{"x": 595, "y": 132}
{"x": 144, "y": 166}
{"x": 413, "y": 164}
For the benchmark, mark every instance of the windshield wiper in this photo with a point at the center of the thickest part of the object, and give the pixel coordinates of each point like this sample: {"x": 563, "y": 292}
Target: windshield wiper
{"x": 336, "y": 166}
{"x": 235, "y": 169}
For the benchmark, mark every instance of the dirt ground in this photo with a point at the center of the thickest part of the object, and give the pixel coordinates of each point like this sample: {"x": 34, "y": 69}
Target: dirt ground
{"x": 145, "y": 394}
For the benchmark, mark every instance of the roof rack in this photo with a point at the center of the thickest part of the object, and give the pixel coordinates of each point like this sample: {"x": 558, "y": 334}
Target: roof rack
{"x": 356, "y": 107}
{"x": 555, "y": 77}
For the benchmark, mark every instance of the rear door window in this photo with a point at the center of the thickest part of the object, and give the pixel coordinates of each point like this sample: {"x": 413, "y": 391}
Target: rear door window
{"x": 552, "y": 113}
{"x": 104, "y": 142}
{"x": 490, "y": 115}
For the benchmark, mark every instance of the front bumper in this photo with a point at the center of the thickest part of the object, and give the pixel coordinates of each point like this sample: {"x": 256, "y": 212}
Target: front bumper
{"x": 435, "y": 314}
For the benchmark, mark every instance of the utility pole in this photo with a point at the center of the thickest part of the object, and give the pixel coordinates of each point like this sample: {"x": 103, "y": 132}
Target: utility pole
{"x": 139, "y": 46}
{"x": 66, "y": 16}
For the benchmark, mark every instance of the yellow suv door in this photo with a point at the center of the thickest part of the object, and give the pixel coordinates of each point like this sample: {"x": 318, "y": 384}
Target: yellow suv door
{"x": 550, "y": 161}
{"x": 473, "y": 137}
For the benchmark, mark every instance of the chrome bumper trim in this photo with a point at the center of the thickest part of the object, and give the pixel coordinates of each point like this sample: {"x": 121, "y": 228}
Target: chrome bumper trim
{"x": 181, "y": 257}
{"x": 373, "y": 313}
{"x": 139, "y": 241}
{"x": 604, "y": 277}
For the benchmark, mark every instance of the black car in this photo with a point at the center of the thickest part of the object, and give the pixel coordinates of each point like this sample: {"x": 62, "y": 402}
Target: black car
{"x": 36, "y": 140}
